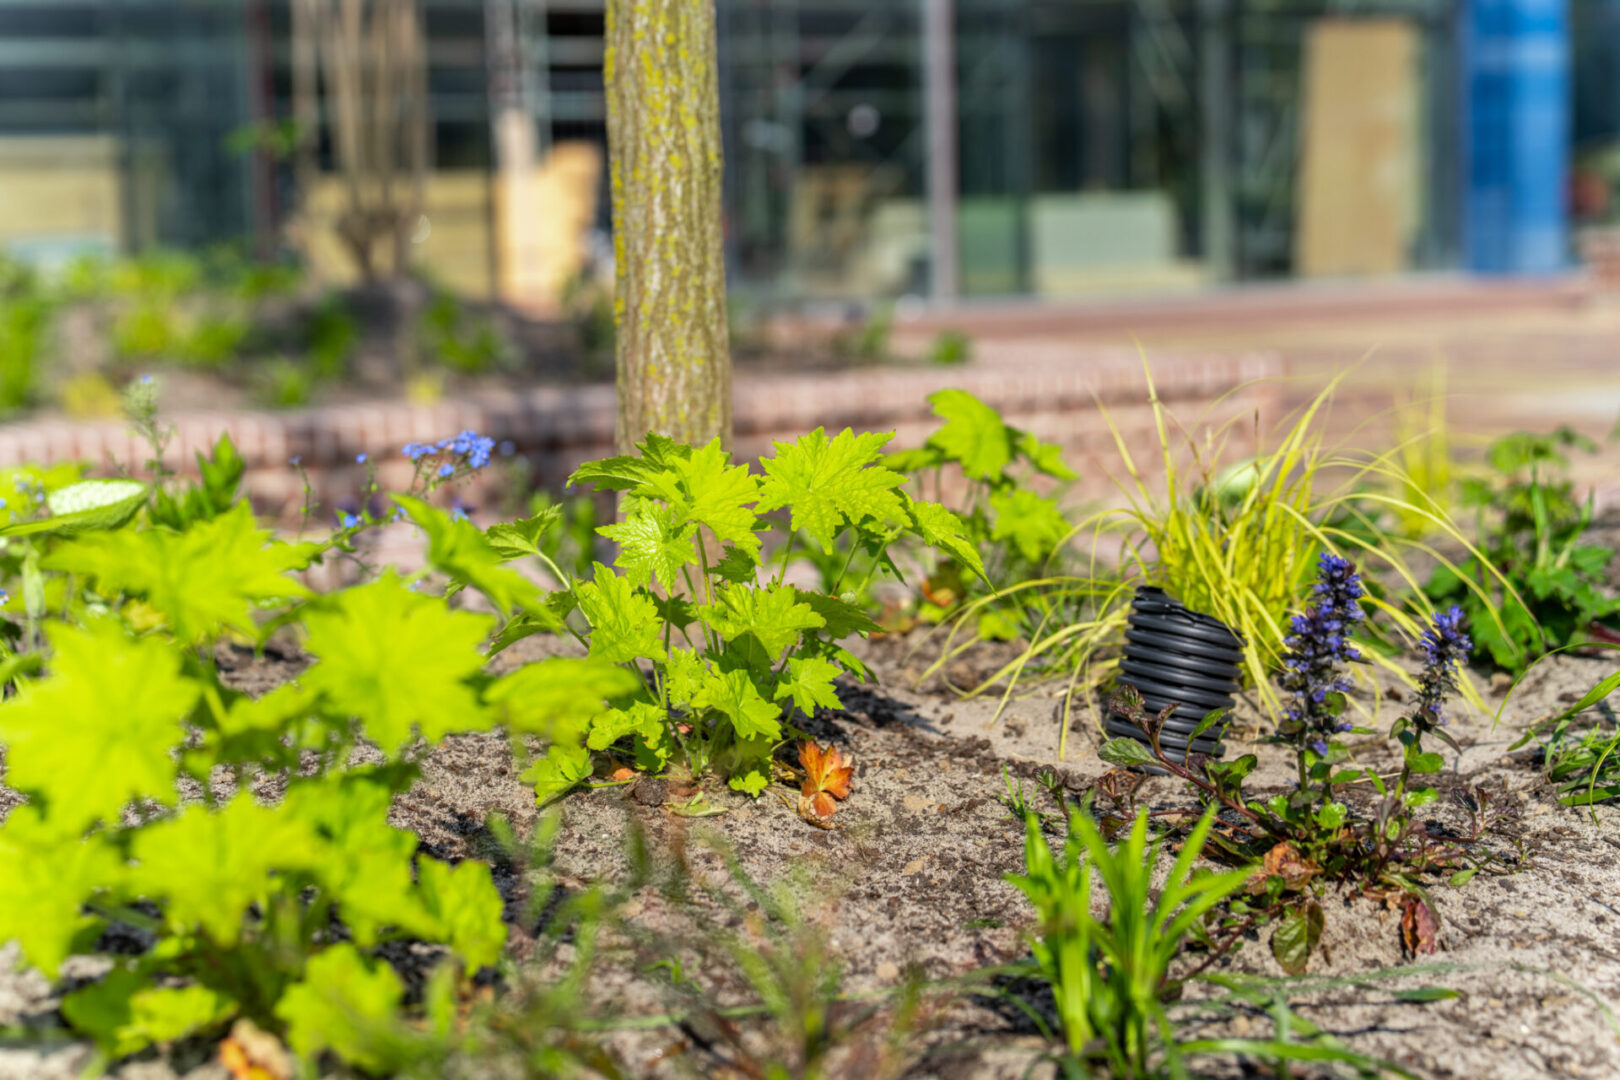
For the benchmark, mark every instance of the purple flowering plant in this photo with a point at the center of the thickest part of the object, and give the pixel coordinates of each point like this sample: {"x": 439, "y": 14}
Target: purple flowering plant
{"x": 1307, "y": 837}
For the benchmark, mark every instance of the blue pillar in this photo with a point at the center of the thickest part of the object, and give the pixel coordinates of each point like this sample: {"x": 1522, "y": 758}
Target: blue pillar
{"x": 1517, "y": 80}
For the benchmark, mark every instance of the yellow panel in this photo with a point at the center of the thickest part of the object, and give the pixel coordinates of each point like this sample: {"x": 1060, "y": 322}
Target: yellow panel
{"x": 1358, "y": 179}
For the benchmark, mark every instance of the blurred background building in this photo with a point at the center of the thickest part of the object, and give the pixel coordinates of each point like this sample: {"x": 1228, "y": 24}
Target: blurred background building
{"x": 875, "y": 148}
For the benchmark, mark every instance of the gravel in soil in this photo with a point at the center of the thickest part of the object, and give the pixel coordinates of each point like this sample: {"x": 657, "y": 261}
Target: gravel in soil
{"x": 912, "y": 880}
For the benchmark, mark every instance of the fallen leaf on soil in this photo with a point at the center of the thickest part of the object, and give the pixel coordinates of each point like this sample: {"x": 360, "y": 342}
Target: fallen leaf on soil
{"x": 621, "y": 774}
{"x": 250, "y": 1053}
{"x": 1285, "y": 862}
{"x": 826, "y": 779}
{"x": 1418, "y": 927}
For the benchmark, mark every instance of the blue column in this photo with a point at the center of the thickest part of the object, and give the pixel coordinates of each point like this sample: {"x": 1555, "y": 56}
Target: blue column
{"x": 1517, "y": 81}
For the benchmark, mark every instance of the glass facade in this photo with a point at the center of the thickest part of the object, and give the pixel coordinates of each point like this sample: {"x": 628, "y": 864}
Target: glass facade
{"x": 1102, "y": 145}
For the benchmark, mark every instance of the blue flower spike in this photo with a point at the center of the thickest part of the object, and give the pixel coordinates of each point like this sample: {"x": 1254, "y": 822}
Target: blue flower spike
{"x": 1318, "y": 648}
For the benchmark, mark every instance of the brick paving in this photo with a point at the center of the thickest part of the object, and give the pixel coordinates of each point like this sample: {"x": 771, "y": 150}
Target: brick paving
{"x": 1048, "y": 388}
{"x": 1518, "y": 356}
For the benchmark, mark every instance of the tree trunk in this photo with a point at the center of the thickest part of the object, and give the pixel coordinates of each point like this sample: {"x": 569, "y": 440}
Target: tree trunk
{"x": 669, "y": 308}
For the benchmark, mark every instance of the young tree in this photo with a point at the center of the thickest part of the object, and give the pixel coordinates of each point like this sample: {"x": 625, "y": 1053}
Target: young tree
{"x": 663, "y": 94}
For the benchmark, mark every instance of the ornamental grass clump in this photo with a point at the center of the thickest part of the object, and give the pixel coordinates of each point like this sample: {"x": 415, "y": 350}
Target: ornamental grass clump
{"x": 1239, "y": 541}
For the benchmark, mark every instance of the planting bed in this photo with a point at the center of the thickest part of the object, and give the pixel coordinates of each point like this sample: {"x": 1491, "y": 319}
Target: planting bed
{"x": 912, "y": 874}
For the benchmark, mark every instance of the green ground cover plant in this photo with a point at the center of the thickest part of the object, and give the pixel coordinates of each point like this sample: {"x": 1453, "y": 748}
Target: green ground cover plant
{"x": 143, "y": 768}
{"x": 1018, "y": 529}
{"x": 728, "y": 652}
{"x": 1535, "y": 584}
{"x": 1116, "y": 979}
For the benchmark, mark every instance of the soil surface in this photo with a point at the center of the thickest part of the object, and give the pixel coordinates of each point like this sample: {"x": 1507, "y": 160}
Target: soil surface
{"x": 911, "y": 881}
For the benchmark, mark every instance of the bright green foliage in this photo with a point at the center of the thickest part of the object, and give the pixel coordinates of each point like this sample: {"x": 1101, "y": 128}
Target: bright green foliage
{"x": 1009, "y": 532}
{"x": 208, "y": 866}
{"x": 1110, "y": 977}
{"x": 515, "y": 539}
{"x": 1533, "y": 586}
{"x": 345, "y": 1004}
{"x": 733, "y": 659}
{"x": 624, "y": 620}
{"x": 774, "y": 615}
{"x": 652, "y": 546}
{"x": 464, "y": 907}
{"x": 99, "y": 734}
{"x": 213, "y": 575}
{"x": 809, "y": 683}
{"x": 829, "y": 483}
{"x": 48, "y": 875}
{"x": 1032, "y": 522}
{"x": 401, "y": 661}
{"x": 124, "y": 1012}
{"x": 459, "y": 549}
{"x": 220, "y": 475}
{"x": 86, "y": 505}
{"x": 245, "y": 900}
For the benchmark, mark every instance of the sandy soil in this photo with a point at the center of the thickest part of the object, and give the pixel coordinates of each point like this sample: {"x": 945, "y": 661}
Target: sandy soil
{"x": 912, "y": 881}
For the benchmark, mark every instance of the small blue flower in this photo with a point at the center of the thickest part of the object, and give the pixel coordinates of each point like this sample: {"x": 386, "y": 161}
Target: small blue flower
{"x": 360, "y": 459}
{"x": 146, "y": 378}
{"x": 348, "y": 520}
{"x": 295, "y": 460}
{"x": 458, "y": 514}
{"x": 447, "y": 470}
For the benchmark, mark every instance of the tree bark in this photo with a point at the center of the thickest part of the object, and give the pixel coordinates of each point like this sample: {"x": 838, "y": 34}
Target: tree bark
{"x": 669, "y": 306}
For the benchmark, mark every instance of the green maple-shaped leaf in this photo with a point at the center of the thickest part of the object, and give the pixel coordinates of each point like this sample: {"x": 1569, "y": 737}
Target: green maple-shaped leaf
{"x": 652, "y": 544}
{"x": 346, "y": 1004}
{"x": 360, "y": 859}
{"x": 460, "y": 550}
{"x": 706, "y": 489}
{"x": 734, "y": 695}
{"x": 1032, "y": 522}
{"x": 213, "y": 575}
{"x": 809, "y": 682}
{"x": 737, "y": 566}
{"x": 516, "y": 539}
{"x": 827, "y": 482}
{"x": 537, "y": 697}
{"x": 643, "y": 719}
{"x": 397, "y": 660}
{"x": 125, "y": 1013}
{"x": 747, "y": 764}
{"x": 972, "y": 435}
{"x": 840, "y": 617}
{"x": 684, "y": 676}
{"x": 98, "y": 732}
{"x": 944, "y": 530}
{"x": 563, "y": 767}
{"x": 628, "y": 471}
{"x": 271, "y": 727}
{"x": 207, "y": 866}
{"x": 773, "y": 615}
{"x": 624, "y": 622}
{"x": 466, "y": 909}
{"x": 1046, "y": 457}
{"x": 46, "y": 876}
